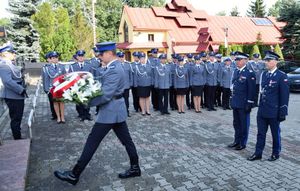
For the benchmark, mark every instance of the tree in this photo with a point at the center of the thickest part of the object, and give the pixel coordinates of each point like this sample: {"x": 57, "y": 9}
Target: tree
{"x": 278, "y": 51}
{"x": 240, "y": 48}
{"x": 255, "y": 50}
{"x": 290, "y": 13}
{"x": 63, "y": 39}
{"x": 228, "y": 50}
{"x": 46, "y": 30}
{"x": 222, "y": 49}
{"x": 274, "y": 10}
{"x": 256, "y": 9}
{"x": 4, "y": 22}
{"x": 82, "y": 32}
{"x": 143, "y": 3}
{"x": 234, "y": 12}
{"x": 221, "y": 13}
{"x": 24, "y": 36}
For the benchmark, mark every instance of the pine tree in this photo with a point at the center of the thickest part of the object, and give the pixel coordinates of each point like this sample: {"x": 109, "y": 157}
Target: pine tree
{"x": 24, "y": 36}
{"x": 234, "y": 12}
{"x": 257, "y": 9}
{"x": 278, "y": 51}
{"x": 255, "y": 50}
{"x": 82, "y": 32}
{"x": 46, "y": 30}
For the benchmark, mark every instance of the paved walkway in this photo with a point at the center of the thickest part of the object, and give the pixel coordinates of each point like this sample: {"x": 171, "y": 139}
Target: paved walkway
{"x": 177, "y": 152}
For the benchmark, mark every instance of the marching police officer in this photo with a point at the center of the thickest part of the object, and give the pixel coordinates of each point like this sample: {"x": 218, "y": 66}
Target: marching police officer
{"x": 13, "y": 90}
{"x": 112, "y": 115}
{"x": 257, "y": 67}
{"x": 154, "y": 61}
{"x": 49, "y": 72}
{"x": 128, "y": 78}
{"x": 163, "y": 81}
{"x": 197, "y": 81}
{"x": 225, "y": 77}
{"x": 273, "y": 106}
{"x": 243, "y": 92}
{"x": 82, "y": 65}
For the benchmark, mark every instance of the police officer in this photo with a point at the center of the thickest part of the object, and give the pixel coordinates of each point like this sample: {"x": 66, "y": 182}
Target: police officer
{"x": 181, "y": 83}
{"x": 82, "y": 65}
{"x": 218, "y": 93}
{"x": 128, "y": 78}
{"x": 143, "y": 80}
{"x": 13, "y": 90}
{"x": 135, "y": 96}
{"x": 112, "y": 115}
{"x": 243, "y": 92}
{"x": 197, "y": 81}
{"x": 95, "y": 62}
{"x": 162, "y": 81}
{"x": 211, "y": 81}
{"x": 172, "y": 92}
{"x": 273, "y": 107}
{"x": 225, "y": 77}
{"x": 204, "y": 99}
{"x": 49, "y": 72}
{"x": 257, "y": 67}
{"x": 232, "y": 57}
{"x": 154, "y": 61}
{"x": 189, "y": 97}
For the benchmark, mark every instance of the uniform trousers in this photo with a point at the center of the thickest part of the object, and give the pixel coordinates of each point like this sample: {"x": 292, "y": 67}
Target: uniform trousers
{"x": 225, "y": 97}
{"x": 211, "y": 94}
{"x": 262, "y": 125}
{"x": 241, "y": 123}
{"x": 172, "y": 98}
{"x": 97, "y": 134}
{"x": 218, "y": 101}
{"x": 83, "y": 111}
{"x": 189, "y": 98}
{"x": 154, "y": 98}
{"x": 256, "y": 95}
{"x": 126, "y": 98}
{"x": 51, "y": 105}
{"x": 135, "y": 98}
{"x": 163, "y": 100}
{"x": 16, "y": 109}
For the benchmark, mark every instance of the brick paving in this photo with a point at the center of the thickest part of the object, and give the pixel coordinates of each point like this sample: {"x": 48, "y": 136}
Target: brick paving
{"x": 177, "y": 152}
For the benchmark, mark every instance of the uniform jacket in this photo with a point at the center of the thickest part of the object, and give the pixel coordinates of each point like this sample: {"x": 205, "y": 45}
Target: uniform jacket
{"x": 197, "y": 75}
{"x": 257, "y": 68}
{"x": 49, "y": 72}
{"x": 181, "y": 77}
{"x": 274, "y": 95}
{"x": 11, "y": 78}
{"x": 143, "y": 75}
{"x": 112, "y": 110}
{"x": 162, "y": 77}
{"x": 128, "y": 74}
{"x": 211, "y": 73}
{"x": 226, "y": 76}
{"x": 243, "y": 88}
{"x": 95, "y": 65}
{"x": 87, "y": 67}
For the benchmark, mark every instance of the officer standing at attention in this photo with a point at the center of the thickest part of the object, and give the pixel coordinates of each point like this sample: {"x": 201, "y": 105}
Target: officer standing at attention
{"x": 172, "y": 92}
{"x": 154, "y": 61}
{"x": 13, "y": 92}
{"x": 243, "y": 92}
{"x": 218, "y": 93}
{"x": 189, "y": 97}
{"x": 134, "y": 92}
{"x": 225, "y": 82}
{"x": 112, "y": 115}
{"x": 273, "y": 107}
{"x": 162, "y": 81}
{"x": 82, "y": 65}
{"x": 211, "y": 81}
{"x": 128, "y": 78}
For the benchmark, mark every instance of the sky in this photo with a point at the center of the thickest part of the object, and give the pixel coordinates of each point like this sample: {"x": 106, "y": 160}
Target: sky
{"x": 212, "y": 7}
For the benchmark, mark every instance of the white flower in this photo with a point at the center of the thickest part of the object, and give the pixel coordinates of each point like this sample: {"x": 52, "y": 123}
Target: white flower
{"x": 81, "y": 97}
{"x": 81, "y": 82}
{"x": 67, "y": 95}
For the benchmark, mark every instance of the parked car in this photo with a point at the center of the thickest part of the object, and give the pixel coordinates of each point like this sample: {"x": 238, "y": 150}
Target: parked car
{"x": 288, "y": 66}
{"x": 294, "y": 80}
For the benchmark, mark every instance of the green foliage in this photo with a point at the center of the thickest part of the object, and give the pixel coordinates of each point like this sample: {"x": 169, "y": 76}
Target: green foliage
{"x": 228, "y": 50}
{"x": 290, "y": 13}
{"x": 221, "y": 13}
{"x": 274, "y": 10}
{"x": 234, "y": 12}
{"x": 222, "y": 49}
{"x": 143, "y": 3}
{"x": 257, "y": 9}
{"x": 255, "y": 50}
{"x": 5, "y": 22}
{"x": 263, "y": 49}
{"x": 278, "y": 51}
{"x": 240, "y": 48}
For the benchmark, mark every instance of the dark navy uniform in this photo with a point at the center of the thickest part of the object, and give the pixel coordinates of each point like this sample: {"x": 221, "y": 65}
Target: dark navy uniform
{"x": 272, "y": 109}
{"x": 243, "y": 92}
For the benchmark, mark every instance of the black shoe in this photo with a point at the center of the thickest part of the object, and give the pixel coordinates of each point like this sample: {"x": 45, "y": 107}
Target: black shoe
{"x": 239, "y": 147}
{"x": 214, "y": 109}
{"x": 182, "y": 112}
{"x": 179, "y": 112}
{"x": 254, "y": 157}
{"x": 168, "y": 113}
{"x": 162, "y": 113}
{"x": 209, "y": 109}
{"x": 128, "y": 115}
{"x": 132, "y": 172}
{"x": 89, "y": 118}
{"x": 148, "y": 113}
{"x": 224, "y": 108}
{"x": 143, "y": 114}
{"x": 273, "y": 157}
{"x": 233, "y": 145}
{"x": 67, "y": 176}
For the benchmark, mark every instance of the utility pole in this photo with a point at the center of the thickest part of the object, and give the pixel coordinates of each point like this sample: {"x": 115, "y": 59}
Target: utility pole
{"x": 94, "y": 21}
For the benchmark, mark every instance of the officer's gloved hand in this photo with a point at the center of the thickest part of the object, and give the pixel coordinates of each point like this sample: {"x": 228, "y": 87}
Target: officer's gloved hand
{"x": 24, "y": 93}
{"x": 281, "y": 118}
{"x": 248, "y": 107}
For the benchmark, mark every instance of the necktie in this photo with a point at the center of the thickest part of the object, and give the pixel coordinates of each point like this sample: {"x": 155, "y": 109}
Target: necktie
{"x": 81, "y": 66}
{"x": 55, "y": 67}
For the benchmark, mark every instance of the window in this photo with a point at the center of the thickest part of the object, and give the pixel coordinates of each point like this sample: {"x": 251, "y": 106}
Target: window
{"x": 150, "y": 37}
{"x": 262, "y": 22}
{"x": 126, "y": 39}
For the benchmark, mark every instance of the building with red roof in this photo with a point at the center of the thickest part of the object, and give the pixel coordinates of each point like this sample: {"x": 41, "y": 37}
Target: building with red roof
{"x": 180, "y": 28}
